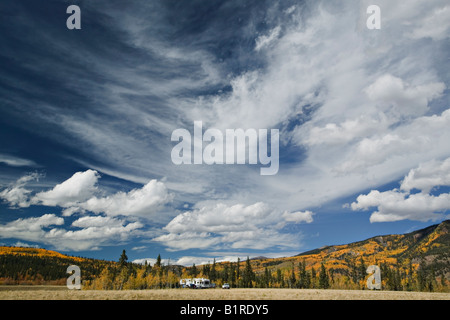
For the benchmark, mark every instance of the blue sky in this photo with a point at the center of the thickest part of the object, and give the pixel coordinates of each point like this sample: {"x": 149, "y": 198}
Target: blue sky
{"x": 87, "y": 117}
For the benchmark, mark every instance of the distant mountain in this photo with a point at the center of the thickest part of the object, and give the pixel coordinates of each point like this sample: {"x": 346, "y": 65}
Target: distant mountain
{"x": 428, "y": 247}
{"x": 431, "y": 244}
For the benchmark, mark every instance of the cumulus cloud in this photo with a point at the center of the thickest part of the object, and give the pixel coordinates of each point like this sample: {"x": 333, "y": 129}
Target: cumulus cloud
{"x": 30, "y": 229}
{"x": 395, "y": 205}
{"x": 142, "y": 202}
{"x": 402, "y": 99}
{"x": 77, "y": 188}
{"x": 92, "y": 233}
{"x": 77, "y": 195}
{"x": 298, "y": 216}
{"x": 348, "y": 130}
{"x": 427, "y": 176}
{"x": 399, "y": 143}
{"x": 184, "y": 261}
{"x": 236, "y": 226}
{"x": 401, "y": 204}
{"x": 17, "y": 195}
{"x": 87, "y": 233}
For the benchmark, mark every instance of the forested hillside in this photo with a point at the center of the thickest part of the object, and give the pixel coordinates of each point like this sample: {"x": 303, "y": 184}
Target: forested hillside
{"x": 39, "y": 266}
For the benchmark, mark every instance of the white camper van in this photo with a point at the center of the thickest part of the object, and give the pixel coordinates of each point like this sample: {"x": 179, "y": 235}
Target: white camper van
{"x": 196, "y": 283}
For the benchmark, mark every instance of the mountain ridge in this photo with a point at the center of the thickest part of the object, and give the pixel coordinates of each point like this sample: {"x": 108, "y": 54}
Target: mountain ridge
{"x": 416, "y": 233}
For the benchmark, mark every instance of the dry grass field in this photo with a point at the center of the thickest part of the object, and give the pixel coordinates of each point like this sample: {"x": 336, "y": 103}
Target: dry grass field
{"x": 62, "y": 293}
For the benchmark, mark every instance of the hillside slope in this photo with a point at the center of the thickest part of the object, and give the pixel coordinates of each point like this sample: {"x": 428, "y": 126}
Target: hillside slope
{"x": 427, "y": 250}
{"x": 20, "y": 265}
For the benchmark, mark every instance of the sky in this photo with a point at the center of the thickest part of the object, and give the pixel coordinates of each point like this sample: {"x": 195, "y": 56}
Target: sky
{"x": 87, "y": 117}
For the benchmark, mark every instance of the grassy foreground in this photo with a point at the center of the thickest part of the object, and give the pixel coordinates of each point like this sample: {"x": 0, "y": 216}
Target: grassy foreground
{"x": 62, "y": 293}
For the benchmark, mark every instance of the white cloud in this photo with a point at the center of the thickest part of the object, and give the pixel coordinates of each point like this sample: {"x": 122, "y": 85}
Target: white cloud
{"x": 218, "y": 256}
{"x": 299, "y": 216}
{"x": 67, "y": 212}
{"x": 236, "y": 226}
{"x": 76, "y": 195}
{"x": 264, "y": 40}
{"x": 395, "y": 205}
{"x": 16, "y": 161}
{"x": 184, "y": 261}
{"x": 98, "y": 229}
{"x": 77, "y": 188}
{"x": 423, "y": 138}
{"x": 16, "y": 195}
{"x": 400, "y": 204}
{"x": 30, "y": 229}
{"x": 89, "y": 233}
{"x": 25, "y": 245}
{"x": 348, "y": 130}
{"x": 401, "y": 99}
{"x": 434, "y": 25}
{"x": 142, "y": 202}
{"x": 427, "y": 176}
{"x": 188, "y": 240}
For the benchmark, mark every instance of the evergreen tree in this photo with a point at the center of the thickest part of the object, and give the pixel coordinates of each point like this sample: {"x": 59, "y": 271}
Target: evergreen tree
{"x": 279, "y": 277}
{"x": 302, "y": 275}
{"x": 292, "y": 278}
{"x": 225, "y": 272}
{"x": 362, "y": 269}
{"x": 232, "y": 275}
{"x": 443, "y": 283}
{"x": 206, "y": 270}
{"x": 421, "y": 276}
{"x": 431, "y": 280}
{"x": 238, "y": 272}
{"x": 123, "y": 260}
{"x": 193, "y": 271}
{"x": 158, "y": 261}
{"x": 266, "y": 278}
{"x": 213, "y": 273}
{"x": 324, "y": 282}
{"x": 308, "y": 279}
{"x": 313, "y": 277}
{"x": 248, "y": 275}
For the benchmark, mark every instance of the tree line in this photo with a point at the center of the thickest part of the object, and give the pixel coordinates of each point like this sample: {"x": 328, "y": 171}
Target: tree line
{"x": 242, "y": 274}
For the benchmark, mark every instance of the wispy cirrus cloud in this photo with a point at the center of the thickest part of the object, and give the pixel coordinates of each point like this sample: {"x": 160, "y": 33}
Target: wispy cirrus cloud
{"x": 16, "y": 161}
